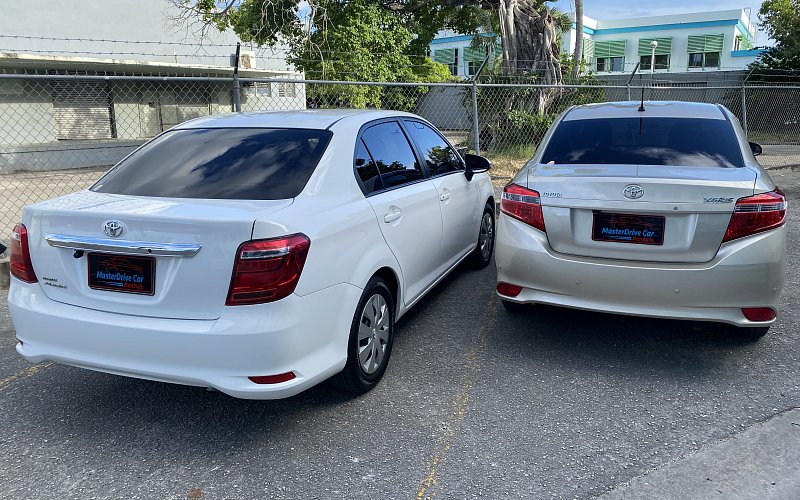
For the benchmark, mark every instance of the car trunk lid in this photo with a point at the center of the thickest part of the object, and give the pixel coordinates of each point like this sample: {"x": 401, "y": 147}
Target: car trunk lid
{"x": 190, "y": 243}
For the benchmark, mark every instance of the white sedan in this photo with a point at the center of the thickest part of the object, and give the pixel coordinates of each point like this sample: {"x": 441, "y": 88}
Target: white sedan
{"x": 257, "y": 253}
{"x": 654, "y": 209}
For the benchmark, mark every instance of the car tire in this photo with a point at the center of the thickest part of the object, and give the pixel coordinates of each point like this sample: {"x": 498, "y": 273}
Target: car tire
{"x": 482, "y": 254}
{"x": 751, "y": 334}
{"x": 370, "y": 342}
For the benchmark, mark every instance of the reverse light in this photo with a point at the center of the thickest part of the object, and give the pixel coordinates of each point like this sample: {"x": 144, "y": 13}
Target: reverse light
{"x": 756, "y": 214}
{"x": 20, "y": 255}
{"x": 272, "y": 379}
{"x": 267, "y": 270}
{"x": 508, "y": 289}
{"x": 523, "y": 204}
{"x": 758, "y": 313}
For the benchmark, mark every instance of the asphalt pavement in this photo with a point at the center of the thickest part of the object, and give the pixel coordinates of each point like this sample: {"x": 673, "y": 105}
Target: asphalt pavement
{"x": 476, "y": 402}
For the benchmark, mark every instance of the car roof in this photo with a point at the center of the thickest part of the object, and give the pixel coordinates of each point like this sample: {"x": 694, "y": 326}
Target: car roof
{"x": 319, "y": 119}
{"x": 653, "y": 109}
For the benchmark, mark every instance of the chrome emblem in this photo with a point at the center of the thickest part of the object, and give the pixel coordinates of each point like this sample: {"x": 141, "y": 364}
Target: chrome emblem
{"x": 112, "y": 228}
{"x": 633, "y": 191}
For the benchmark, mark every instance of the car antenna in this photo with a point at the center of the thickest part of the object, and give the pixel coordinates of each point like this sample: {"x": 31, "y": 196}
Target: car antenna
{"x": 641, "y": 106}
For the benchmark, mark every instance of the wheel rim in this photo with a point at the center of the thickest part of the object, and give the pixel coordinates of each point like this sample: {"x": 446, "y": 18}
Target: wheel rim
{"x": 486, "y": 235}
{"x": 373, "y": 334}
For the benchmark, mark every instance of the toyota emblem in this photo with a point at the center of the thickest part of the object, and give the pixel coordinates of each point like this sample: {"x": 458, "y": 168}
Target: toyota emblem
{"x": 112, "y": 228}
{"x": 633, "y": 191}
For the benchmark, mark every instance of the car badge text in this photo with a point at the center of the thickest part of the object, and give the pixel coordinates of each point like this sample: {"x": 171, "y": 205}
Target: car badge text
{"x": 633, "y": 191}
{"x": 717, "y": 199}
{"x": 112, "y": 228}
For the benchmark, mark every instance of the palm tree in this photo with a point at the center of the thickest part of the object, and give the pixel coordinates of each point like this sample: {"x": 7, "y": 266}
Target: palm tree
{"x": 578, "y": 55}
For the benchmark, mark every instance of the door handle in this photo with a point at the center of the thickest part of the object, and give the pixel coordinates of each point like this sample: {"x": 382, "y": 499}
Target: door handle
{"x": 445, "y": 196}
{"x": 392, "y": 216}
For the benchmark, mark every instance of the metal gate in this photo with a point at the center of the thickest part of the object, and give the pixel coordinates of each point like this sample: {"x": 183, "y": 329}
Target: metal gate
{"x": 81, "y": 109}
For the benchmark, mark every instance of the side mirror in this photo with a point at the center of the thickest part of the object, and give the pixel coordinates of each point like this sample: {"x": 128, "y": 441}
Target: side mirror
{"x": 475, "y": 165}
{"x": 756, "y": 149}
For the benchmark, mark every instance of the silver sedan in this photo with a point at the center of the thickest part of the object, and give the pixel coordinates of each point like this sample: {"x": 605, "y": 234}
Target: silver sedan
{"x": 651, "y": 209}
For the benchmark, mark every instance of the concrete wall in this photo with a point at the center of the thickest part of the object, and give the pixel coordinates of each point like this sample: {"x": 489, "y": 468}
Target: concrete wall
{"x": 144, "y": 21}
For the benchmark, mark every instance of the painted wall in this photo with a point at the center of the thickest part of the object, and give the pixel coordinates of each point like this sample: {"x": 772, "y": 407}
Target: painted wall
{"x": 144, "y": 21}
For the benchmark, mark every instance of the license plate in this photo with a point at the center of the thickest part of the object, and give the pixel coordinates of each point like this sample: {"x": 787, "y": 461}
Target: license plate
{"x": 628, "y": 228}
{"x": 122, "y": 273}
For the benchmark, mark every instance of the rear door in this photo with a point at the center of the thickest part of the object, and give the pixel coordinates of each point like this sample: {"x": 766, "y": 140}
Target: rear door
{"x": 406, "y": 203}
{"x": 458, "y": 197}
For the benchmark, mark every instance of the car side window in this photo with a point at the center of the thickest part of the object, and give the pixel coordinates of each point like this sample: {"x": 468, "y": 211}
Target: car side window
{"x": 392, "y": 153}
{"x": 438, "y": 155}
{"x": 367, "y": 170}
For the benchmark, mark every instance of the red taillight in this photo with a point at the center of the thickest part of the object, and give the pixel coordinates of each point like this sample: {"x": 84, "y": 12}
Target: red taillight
{"x": 755, "y": 214}
{"x": 272, "y": 379}
{"x": 508, "y": 289}
{"x": 20, "y": 261}
{"x": 758, "y": 313}
{"x": 267, "y": 270}
{"x": 523, "y": 204}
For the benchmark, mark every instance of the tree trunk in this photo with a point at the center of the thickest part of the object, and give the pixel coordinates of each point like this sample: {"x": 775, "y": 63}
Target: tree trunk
{"x": 578, "y": 55}
{"x": 530, "y": 46}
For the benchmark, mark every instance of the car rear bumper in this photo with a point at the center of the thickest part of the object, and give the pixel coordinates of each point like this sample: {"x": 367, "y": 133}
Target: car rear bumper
{"x": 748, "y": 272}
{"x": 306, "y": 335}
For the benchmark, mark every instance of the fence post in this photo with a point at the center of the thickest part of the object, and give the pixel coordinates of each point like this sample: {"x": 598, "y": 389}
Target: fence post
{"x": 237, "y": 94}
{"x": 476, "y": 140}
{"x": 744, "y": 109}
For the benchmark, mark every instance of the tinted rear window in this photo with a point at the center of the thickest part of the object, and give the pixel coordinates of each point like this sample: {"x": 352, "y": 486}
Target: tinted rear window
{"x": 220, "y": 163}
{"x": 645, "y": 141}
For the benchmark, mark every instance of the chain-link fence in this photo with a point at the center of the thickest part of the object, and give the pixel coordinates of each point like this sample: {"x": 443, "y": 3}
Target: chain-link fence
{"x": 58, "y": 133}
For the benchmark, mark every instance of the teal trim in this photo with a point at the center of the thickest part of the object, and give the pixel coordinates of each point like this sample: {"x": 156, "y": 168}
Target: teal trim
{"x": 587, "y": 30}
{"x": 746, "y": 53}
{"x": 660, "y": 27}
{"x": 459, "y": 38}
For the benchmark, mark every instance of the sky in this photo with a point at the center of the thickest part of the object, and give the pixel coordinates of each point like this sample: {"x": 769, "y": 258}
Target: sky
{"x": 615, "y": 9}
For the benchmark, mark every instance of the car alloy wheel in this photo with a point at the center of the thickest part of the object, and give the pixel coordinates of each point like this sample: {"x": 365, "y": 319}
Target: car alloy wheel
{"x": 482, "y": 254}
{"x": 373, "y": 334}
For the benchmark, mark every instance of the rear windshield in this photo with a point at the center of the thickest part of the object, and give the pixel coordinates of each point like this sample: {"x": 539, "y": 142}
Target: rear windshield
{"x": 220, "y": 163}
{"x": 687, "y": 142}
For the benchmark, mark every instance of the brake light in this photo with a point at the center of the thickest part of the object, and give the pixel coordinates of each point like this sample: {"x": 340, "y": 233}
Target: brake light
{"x": 267, "y": 270}
{"x": 755, "y": 214}
{"x": 523, "y": 204}
{"x": 20, "y": 261}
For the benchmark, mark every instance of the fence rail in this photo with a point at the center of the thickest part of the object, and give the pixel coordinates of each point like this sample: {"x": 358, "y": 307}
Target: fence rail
{"x": 58, "y": 133}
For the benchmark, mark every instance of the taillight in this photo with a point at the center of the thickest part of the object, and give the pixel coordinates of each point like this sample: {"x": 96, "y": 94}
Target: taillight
{"x": 508, "y": 289}
{"x": 267, "y": 270}
{"x": 20, "y": 261}
{"x": 759, "y": 313}
{"x": 755, "y": 214}
{"x": 523, "y": 204}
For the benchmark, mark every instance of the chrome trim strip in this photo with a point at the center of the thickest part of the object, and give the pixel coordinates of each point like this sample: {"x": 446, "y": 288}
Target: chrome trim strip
{"x": 187, "y": 250}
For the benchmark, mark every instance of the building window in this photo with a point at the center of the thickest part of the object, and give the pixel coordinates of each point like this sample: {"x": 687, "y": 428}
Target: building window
{"x": 610, "y": 64}
{"x": 609, "y": 55}
{"x": 663, "y": 50}
{"x": 286, "y": 89}
{"x": 448, "y": 57}
{"x": 705, "y": 50}
{"x": 704, "y": 60}
{"x": 662, "y": 62}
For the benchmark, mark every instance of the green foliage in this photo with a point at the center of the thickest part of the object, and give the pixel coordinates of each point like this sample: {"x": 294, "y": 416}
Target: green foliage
{"x": 781, "y": 20}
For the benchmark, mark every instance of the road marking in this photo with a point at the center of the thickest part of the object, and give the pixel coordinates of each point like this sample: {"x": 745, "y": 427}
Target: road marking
{"x": 459, "y": 408}
{"x": 27, "y": 372}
